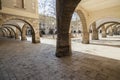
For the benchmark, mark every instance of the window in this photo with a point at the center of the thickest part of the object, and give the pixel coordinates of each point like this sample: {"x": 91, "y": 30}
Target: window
{"x": 19, "y": 3}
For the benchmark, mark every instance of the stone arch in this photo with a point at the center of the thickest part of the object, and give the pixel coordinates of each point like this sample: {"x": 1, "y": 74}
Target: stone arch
{"x": 111, "y": 25}
{"x": 6, "y": 31}
{"x": 118, "y": 30}
{"x": 10, "y": 30}
{"x": 107, "y": 23}
{"x": 64, "y": 10}
{"x": 3, "y": 32}
{"x": 85, "y": 35}
{"x": 26, "y": 22}
{"x": 17, "y": 26}
{"x": 24, "y": 31}
{"x": 104, "y": 19}
{"x": 105, "y": 30}
{"x": 21, "y": 19}
{"x": 118, "y": 27}
{"x": 32, "y": 22}
{"x": 109, "y": 28}
{"x": 17, "y": 29}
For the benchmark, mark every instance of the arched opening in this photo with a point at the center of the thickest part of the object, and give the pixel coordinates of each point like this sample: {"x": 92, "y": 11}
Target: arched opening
{"x": 19, "y": 24}
{"x": 27, "y": 33}
{"x": 82, "y": 27}
{"x": 16, "y": 29}
{"x": 47, "y": 21}
{"x": 105, "y": 33}
{"x": 75, "y": 27}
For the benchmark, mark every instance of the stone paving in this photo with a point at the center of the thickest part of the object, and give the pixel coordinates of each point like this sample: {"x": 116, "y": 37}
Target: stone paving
{"x": 27, "y": 61}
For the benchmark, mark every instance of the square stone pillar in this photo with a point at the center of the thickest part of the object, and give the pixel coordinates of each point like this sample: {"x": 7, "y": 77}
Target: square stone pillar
{"x": 63, "y": 45}
{"x": 95, "y": 35}
{"x": 36, "y": 34}
{"x": 104, "y": 32}
{"x": 36, "y": 38}
{"x": 17, "y": 34}
{"x": 85, "y": 37}
{"x": 110, "y": 32}
{"x": 23, "y": 38}
{"x": 64, "y": 10}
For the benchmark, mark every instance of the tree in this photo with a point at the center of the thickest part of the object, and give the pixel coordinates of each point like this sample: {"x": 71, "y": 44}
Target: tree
{"x": 52, "y": 8}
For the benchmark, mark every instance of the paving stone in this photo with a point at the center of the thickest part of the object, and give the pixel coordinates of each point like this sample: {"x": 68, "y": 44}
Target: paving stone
{"x": 26, "y": 61}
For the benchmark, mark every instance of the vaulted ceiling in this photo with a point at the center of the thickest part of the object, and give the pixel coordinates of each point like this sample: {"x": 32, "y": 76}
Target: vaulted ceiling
{"x": 99, "y": 9}
{"x": 94, "y": 5}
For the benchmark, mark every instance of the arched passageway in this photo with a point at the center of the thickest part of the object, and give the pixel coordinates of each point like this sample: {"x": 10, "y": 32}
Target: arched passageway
{"x": 15, "y": 22}
{"x": 104, "y": 33}
{"x": 5, "y": 32}
{"x": 85, "y": 32}
{"x": 101, "y": 28}
{"x": 12, "y": 32}
{"x": 18, "y": 21}
{"x": 27, "y": 32}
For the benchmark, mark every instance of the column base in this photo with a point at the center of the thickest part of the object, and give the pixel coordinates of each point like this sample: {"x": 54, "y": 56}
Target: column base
{"x": 110, "y": 34}
{"x": 95, "y": 36}
{"x": 95, "y": 39}
{"x": 63, "y": 51}
{"x": 17, "y": 38}
{"x": 23, "y": 39}
{"x": 36, "y": 41}
{"x": 63, "y": 45}
{"x": 103, "y": 36}
{"x": 63, "y": 54}
{"x": 10, "y": 36}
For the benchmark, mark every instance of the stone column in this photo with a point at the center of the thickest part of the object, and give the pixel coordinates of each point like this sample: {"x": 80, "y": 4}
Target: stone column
{"x": 85, "y": 31}
{"x": 23, "y": 34}
{"x": 110, "y": 31}
{"x": 4, "y": 35}
{"x": 85, "y": 37}
{"x": 94, "y": 32}
{"x": 1, "y": 34}
{"x": 6, "y": 32}
{"x": 95, "y": 35}
{"x": 12, "y": 35}
{"x": 17, "y": 34}
{"x": 65, "y": 9}
{"x": 36, "y": 33}
{"x": 104, "y": 32}
{"x": 115, "y": 30}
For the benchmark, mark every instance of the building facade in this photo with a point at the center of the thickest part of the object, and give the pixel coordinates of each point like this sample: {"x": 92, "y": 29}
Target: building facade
{"x": 15, "y": 12}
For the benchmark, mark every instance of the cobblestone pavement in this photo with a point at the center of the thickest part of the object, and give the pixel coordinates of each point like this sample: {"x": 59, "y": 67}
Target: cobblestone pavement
{"x": 27, "y": 61}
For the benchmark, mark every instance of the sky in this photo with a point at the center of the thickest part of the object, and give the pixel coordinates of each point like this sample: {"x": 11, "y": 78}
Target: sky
{"x": 46, "y": 9}
{"x": 44, "y": 6}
